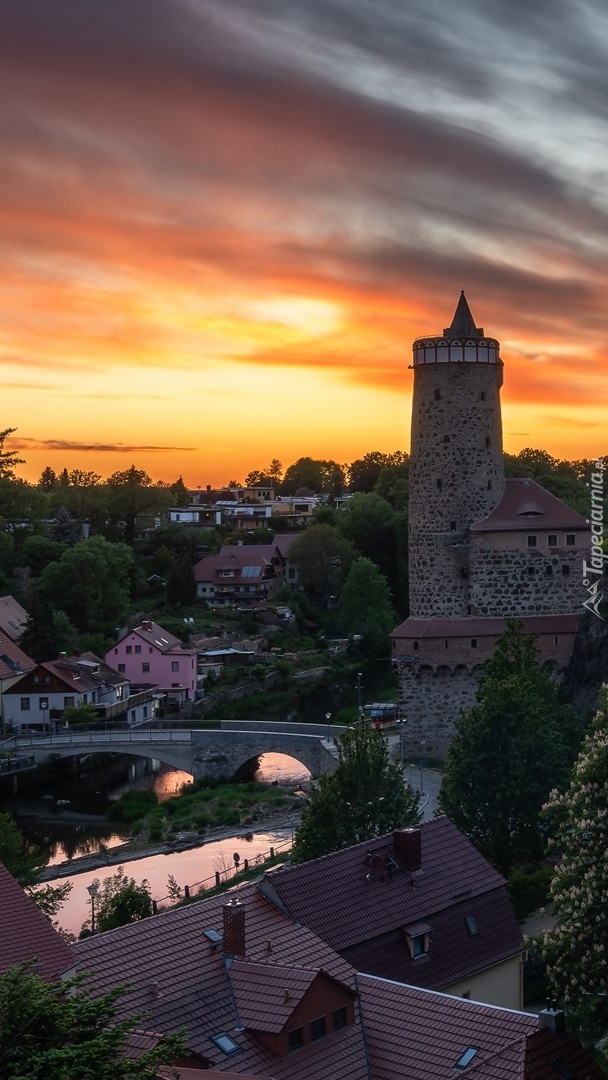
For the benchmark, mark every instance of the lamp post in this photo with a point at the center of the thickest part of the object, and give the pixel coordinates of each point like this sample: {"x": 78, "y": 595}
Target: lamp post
{"x": 400, "y": 727}
{"x": 92, "y": 890}
{"x": 328, "y": 718}
{"x": 359, "y": 677}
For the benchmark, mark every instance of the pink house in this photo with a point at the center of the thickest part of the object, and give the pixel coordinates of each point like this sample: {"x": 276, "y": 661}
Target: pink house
{"x": 151, "y": 656}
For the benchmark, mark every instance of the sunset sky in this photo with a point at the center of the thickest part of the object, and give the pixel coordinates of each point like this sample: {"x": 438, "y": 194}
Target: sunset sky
{"x": 222, "y": 223}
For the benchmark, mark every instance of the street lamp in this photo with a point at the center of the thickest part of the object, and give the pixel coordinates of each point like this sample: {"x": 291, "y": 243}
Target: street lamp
{"x": 328, "y": 718}
{"x": 401, "y": 730}
{"x": 92, "y": 890}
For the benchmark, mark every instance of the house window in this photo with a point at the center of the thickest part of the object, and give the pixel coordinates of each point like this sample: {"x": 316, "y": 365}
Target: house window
{"x": 471, "y": 925}
{"x": 317, "y": 1029}
{"x": 548, "y": 570}
{"x": 145, "y": 668}
{"x": 439, "y": 483}
{"x": 418, "y": 937}
{"x": 138, "y": 648}
{"x": 133, "y": 716}
{"x": 225, "y": 1043}
{"x": 296, "y": 1039}
{"x": 565, "y": 570}
{"x": 129, "y": 650}
{"x": 121, "y": 668}
{"x": 68, "y": 702}
{"x": 340, "y": 1018}
{"x": 175, "y": 665}
{"x": 532, "y": 541}
{"x": 466, "y": 1058}
{"x": 415, "y": 646}
{"x": 446, "y": 644}
{"x": 556, "y": 640}
{"x": 25, "y": 704}
{"x": 570, "y": 540}
{"x": 552, "y": 540}
{"x": 145, "y": 712}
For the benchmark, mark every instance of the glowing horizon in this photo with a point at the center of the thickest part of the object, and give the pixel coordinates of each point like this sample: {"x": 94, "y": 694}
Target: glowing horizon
{"x": 224, "y": 227}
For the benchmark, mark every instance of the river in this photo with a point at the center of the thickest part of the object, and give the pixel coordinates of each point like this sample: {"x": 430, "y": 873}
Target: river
{"x": 64, "y": 814}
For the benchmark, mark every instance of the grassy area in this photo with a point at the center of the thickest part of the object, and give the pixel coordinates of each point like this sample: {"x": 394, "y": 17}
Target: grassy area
{"x": 205, "y": 804}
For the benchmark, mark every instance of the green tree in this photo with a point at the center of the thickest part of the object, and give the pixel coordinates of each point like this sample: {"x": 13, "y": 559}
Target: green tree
{"x": 314, "y": 475}
{"x": 131, "y": 493}
{"x": 322, "y": 558}
{"x": 37, "y": 552}
{"x": 363, "y": 798}
{"x": 91, "y": 582}
{"x": 58, "y": 1031}
{"x": 179, "y": 492}
{"x": 365, "y": 607}
{"x": 8, "y": 458}
{"x": 181, "y": 586}
{"x": 23, "y": 863}
{"x": 121, "y": 900}
{"x": 77, "y": 715}
{"x": 23, "y": 508}
{"x": 507, "y": 753}
{"x": 369, "y": 522}
{"x": 364, "y": 473}
{"x": 47, "y": 479}
{"x": 39, "y": 638}
{"x": 576, "y": 950}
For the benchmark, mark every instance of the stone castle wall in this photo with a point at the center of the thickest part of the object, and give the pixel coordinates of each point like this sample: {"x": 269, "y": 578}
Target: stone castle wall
{"x": 524, "y": 581}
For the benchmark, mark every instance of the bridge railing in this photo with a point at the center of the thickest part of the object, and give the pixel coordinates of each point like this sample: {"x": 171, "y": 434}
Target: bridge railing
{"x": 90, "y": 738}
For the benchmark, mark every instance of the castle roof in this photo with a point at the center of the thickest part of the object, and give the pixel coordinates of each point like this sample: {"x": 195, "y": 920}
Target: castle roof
{"x": 526, "y": 505}
{"x": 485, "y": 626}
{"x": 463, "y": 323}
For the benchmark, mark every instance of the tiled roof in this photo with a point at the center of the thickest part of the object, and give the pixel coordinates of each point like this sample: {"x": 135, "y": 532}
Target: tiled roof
{"x": 544, "y": 1051}
{"x": 25, "y": 933}
{"x": 421, "y": 1035}
{"x": 267, "y": 994}
{"x": 527, "y": 506}
{"x": 263, "y": 551}
{"x": 364, "y": 919}
{"x": 13, "y": 617}
{"x": 242, "y": 565}
{"x": 13, "y": 661}
{"x": 488, "y": 627}
{"x": 153, "y": 634}
{"x": 179, "y": 979}
{"x": 284, "y": 541}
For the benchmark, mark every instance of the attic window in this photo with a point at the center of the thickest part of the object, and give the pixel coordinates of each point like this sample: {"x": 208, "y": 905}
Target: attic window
{"x": 296, "y": 1039}
{"x": 317, "y": 1029}
{"x": 471, "y": 925}
{"x": 418, "y": 937}
{"x": 225, "y": 1043}
{"x": 466, "y": 1058}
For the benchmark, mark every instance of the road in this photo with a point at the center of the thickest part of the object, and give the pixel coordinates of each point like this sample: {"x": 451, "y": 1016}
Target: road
{"x": 424, "y": 780}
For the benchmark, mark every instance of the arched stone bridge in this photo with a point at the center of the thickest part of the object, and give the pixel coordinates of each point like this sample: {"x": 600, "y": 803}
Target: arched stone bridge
{"x": 199, "y": 752}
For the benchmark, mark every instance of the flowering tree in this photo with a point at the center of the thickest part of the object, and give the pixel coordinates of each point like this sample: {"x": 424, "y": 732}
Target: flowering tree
{"x": 577, "y": 949}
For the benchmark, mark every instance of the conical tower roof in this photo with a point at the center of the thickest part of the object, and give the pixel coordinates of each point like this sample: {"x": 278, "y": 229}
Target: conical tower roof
{"x": 463, "y": 323}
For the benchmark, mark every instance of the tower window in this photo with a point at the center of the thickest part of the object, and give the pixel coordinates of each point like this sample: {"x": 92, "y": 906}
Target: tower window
{"x": 474, "y": 643}
{"x": 446, "y": 644}
{"x": 437, "y": 395}
{"x": 452, "y": 526}
{"x": 415, "y": 646}
{"x": 552, "y": 540}
{"x": 531, "y": 570}
{"x": 446, "y": 438}
{"x": 565, "y": 570}
{"x": 556, "y": 640}
{"x": 548, "y": 570}
{"x": 532, "y": 541}
{"x": 482, "y": 395}
{"x": 488, "y": 442}
{"x": 489, "y": 485}
{"x": 439, "y": 483}
{"x": 570, "y": 539}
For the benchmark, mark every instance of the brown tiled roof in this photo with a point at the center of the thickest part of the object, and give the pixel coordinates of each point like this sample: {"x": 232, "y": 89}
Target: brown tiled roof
{"x": 179, "y": 978}
{"x": 544, "y": 1050}
{"x": 284, "y": 541}
{"x": 420, "y": 1034}
{"x": 364, "y": 919}
{"x": 13, "y": 660}
{"x": 27, "y": 934}
{"x": 527, "y": 506}
{"x": 265, "y": 551}
{"x": 13, "y": 617}
{"x": 267, "y": 994}
{"x": 153, "y": 634}
{"x": 210, "y": 567}
{"x": 488, "y": 627}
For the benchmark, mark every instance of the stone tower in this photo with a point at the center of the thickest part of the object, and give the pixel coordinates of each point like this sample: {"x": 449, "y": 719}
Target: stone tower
{"x": 456, "y": 467}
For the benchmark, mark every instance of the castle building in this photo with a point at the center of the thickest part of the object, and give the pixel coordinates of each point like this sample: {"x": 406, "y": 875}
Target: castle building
{"x": 482, "y": 548}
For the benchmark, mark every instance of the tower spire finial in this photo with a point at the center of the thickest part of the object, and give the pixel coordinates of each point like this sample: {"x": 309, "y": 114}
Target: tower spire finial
{"x": 463, "y": 323}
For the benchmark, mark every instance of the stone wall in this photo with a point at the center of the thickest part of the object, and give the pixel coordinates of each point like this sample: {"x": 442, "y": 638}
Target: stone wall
{"x": 431, "y": 700}
{"x": 524, "y": 581}
{"x": 456, "y": 478}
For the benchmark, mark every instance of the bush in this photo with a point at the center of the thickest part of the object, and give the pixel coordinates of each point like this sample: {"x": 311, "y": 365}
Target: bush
{"x": 529, "y": 888}
{"x": 536, "y": 987}
{"x": 132, "y": 806}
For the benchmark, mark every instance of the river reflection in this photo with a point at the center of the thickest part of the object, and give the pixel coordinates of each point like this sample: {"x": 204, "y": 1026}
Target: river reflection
{"x": 187, "y": 867}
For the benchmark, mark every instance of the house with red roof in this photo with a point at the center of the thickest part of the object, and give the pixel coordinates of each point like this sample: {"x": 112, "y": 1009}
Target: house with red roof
{"x": 148, "y": 655}
{"x": 38, "y": 699}
{"x": 239, "y": 575}
{"x": 27, "y": 935}
{"x": 418, "y": 906}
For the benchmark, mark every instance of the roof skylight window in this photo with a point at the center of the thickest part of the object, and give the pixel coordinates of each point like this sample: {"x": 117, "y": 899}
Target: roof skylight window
{"x": 471, "y": 925}
{"x": 225, "y": 1043}
{"x": 466, "y": 1058}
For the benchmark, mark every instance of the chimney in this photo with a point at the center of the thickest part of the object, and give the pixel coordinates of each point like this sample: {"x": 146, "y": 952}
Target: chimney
{"x": 234, "y": 928}
{"x": 146, "y": 625}
{"x": 208, "y": 487}
{"x": 552, "y": 1018}
{"x": 407, "y": 846}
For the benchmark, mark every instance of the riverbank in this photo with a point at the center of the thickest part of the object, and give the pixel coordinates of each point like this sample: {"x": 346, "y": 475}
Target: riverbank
{"x": 135, "y": 848}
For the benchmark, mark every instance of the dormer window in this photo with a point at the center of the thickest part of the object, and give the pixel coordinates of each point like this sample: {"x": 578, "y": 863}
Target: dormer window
{"x": 418, "y": 937}
{"x": 296, "y": 1039}
{"x": 340, "y": 1018}
{"x": 317, "y": 1029}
